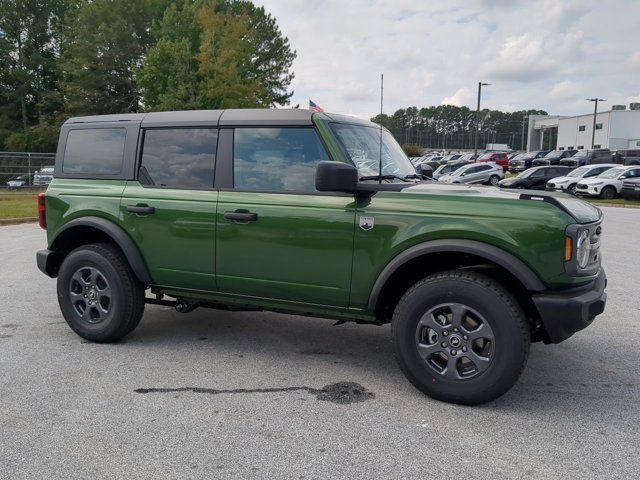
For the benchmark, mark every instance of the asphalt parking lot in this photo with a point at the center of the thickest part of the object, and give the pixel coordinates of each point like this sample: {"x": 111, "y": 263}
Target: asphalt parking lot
{"x": 249, "y": 395}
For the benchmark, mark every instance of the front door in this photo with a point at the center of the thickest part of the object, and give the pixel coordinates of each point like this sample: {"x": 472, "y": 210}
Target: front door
{"x": 277, "y": 237}
{"x": 170, "y": 210}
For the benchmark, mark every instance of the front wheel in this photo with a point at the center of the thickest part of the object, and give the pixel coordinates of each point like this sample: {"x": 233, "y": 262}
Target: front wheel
{"x": 460, "y": 337}
{"x": 98, "y": 293}
{"x": 608, "y": 193}
{"x": 572, "y": 189}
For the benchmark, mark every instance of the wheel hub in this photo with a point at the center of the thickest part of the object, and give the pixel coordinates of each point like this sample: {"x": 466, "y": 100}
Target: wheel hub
{"x": 90, "y": 294}
{"x": 455, "y": 341}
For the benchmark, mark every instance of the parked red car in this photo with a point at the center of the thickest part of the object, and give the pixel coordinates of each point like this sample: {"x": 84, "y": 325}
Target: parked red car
{"x": 501, "y": 158}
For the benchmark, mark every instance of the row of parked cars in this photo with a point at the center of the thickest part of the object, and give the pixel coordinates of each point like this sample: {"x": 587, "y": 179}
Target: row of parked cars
{"x": 578, "y": 172}
{"x": 41, "y": 178}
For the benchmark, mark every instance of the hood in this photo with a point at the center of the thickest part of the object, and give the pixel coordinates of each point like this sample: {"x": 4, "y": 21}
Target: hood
{"x": 563, "y": 179}
{"x": 445, "y": 178}
{"x": 509, "y": 181}
{"x": 593, "y": 180}
{"x": 580, "y": 210}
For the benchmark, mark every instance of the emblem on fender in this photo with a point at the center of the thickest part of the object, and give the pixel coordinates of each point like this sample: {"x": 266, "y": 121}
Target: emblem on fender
{"x": 366, "y": 223}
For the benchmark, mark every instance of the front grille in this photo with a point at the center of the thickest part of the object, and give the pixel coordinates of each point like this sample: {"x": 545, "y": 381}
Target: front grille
{"x": 582, "y": 186}
{"x": 630, "y": 185}
{"x": 551, "y": 185}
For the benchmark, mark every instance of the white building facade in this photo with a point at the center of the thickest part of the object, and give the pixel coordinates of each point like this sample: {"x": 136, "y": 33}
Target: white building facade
{"x": 614, "y": 129}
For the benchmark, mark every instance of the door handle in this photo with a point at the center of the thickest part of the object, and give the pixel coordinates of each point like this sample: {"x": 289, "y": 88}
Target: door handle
{"x": 241, "y": 216}
{"x": 141, "y": 209}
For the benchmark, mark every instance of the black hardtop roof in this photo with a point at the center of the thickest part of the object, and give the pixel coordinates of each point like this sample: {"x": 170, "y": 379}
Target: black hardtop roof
{"x": 229, "y": 117}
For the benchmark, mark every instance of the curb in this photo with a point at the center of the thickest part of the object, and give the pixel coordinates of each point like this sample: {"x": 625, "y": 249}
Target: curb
{"x": 618, "y": 205}
{"x": 17, "y": 221}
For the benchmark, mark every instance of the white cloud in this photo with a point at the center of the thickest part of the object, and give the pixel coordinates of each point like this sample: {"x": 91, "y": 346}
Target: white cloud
{"x": 633, "y": 62}
{"x": 565, "y": 90}
{"x": 430, "y": 51}
{"x": 462, "y": 97}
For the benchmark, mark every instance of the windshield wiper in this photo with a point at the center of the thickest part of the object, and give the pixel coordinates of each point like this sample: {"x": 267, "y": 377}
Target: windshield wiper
{"x": 382, "y": 177}
{"x": 417, "y": 176}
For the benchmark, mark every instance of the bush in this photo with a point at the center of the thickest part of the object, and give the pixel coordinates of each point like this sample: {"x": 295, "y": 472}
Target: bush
{"x": 412, "y": 150}
{"x": 39, "y": 138}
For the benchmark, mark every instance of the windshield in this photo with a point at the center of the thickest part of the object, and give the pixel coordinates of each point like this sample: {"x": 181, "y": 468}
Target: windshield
{"x": 578, "y": 172}
{"x": 554, "y": 154}
{"x": 613, "y": 173}
{"x": 581, "y": 153}
{"x": 486, "y": 156}
{"x": 362, "y": 144}
{"x": 526, "y": 173}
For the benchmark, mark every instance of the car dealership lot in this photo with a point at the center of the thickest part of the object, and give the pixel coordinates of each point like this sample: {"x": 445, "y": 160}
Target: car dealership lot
{"x": 69, "y": 408}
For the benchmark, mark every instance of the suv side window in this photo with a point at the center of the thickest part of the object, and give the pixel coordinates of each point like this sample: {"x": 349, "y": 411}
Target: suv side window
{"x": 276, "y": 159}
{"x": 178, "y": 157}
{"x": 635, "y": 173}
{"x": 94, "y": 151}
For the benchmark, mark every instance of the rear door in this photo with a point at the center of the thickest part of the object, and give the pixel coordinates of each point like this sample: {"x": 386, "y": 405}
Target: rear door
{"x": 169, "y": 211}
{"x": 277, "y": 237}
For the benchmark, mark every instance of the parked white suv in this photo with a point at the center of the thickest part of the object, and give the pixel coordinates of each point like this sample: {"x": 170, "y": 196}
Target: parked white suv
{"x": 609, "y": 183}
{"x": 475, "y": 173}
{"x": 568, "y": 183}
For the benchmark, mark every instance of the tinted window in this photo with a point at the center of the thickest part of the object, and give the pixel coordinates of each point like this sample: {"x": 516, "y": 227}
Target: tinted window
{"x": 179, "y": 157}
{"x": 276, "y": 159}
{"x": 483, "y": 168}
{"x": 633, "y": 173}
{"x": 94, "y": 151}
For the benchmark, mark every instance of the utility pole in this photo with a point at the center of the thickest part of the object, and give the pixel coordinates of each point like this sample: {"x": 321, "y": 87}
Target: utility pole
{"x": 475, "y": 143}
{"x": 595, "y": 114}
{"x": 522, "y": 137}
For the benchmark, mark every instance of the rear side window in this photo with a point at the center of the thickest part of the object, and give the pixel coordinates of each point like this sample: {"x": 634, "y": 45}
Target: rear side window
{"x": 178, "y": 157}
{"x": 94, "y": 151}
{"x": 276, "y": 159}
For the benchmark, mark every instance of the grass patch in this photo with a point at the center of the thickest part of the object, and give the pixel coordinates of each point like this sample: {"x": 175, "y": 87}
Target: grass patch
{"x": 18, "y": 205}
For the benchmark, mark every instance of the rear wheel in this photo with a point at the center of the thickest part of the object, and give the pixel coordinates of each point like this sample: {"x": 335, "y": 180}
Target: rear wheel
{"x": 608, "y": 193}
{"x": 460, "y": 337}
{"x": 494, "y": 179}
{"x": 99, "y": 295}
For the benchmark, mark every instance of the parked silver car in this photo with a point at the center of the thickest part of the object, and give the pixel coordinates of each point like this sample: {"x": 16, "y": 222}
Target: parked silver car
{"x": 490, "y": 173}
{"x": 44, "y": 176}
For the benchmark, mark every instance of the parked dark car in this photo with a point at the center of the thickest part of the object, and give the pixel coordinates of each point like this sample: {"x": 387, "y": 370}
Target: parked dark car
{"x": 524, "y": 161}
{"x": 588, "y": 157}
{"x": 626, "y": 157}
{"x": 500, "y": 158}
{"x": 535, "y": 178}
{"x": 631, "y": 189}
{"x": 553, "y": 158}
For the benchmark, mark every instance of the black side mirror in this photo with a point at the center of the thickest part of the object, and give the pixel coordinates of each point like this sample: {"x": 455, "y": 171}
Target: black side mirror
{"x": 425, "y": 171}
{"x": 336, "y": 177}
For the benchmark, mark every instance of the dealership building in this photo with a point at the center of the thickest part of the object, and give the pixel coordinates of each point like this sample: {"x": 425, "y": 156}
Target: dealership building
{"x": 616, "y": 129}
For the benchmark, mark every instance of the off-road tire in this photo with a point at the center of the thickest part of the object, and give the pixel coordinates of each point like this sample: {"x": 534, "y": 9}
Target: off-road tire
{"x": 499, "y": 309}
{"x": 127, "y": 299}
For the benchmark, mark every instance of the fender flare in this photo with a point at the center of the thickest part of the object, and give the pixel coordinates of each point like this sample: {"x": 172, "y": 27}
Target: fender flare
{"x": 489, "y": 252}
{"x": 119, "y": 236}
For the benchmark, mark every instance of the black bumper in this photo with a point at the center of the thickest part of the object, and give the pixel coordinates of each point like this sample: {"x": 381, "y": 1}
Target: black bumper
{"x": 566, "y": 313}
{"x": 47, "y": 262}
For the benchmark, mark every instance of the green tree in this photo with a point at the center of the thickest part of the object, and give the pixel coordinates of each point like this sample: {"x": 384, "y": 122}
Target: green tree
{"x": 28, "y": 60}
{"x": 209, "y": 54}
{"x": 103, "y": 45}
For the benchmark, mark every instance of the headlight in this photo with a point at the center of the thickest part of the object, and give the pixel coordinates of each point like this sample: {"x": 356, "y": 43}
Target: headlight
{"x": 597, "y": 183}
{"x": 583, "y": 249}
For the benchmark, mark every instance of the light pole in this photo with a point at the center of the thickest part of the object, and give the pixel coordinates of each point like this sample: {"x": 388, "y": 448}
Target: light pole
{"x": 595, "y": 114}
{"x": 522, "y": 137}
{"x": 475, "y": 143}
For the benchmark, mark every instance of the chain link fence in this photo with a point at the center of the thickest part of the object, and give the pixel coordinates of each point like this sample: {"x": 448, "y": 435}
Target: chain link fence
{"x": 26, "y": 170}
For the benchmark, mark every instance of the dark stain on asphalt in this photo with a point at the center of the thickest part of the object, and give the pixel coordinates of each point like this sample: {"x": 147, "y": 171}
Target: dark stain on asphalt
{"x": 6, "y": 336}
{"x": 12, "y": 326}
{"x": 343, "y": 393}
{"x": 315, "y": 351}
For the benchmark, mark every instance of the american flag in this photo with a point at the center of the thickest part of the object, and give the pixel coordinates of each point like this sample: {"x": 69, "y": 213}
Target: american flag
{"x": 315, "y": 108}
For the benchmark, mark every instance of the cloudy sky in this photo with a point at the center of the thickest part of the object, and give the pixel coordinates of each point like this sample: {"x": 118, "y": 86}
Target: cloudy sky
{"x": 549, "y": 54}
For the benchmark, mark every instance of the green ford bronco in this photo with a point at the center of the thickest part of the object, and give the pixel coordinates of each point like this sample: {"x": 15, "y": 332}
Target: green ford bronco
{"x": 285, "y": 210}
